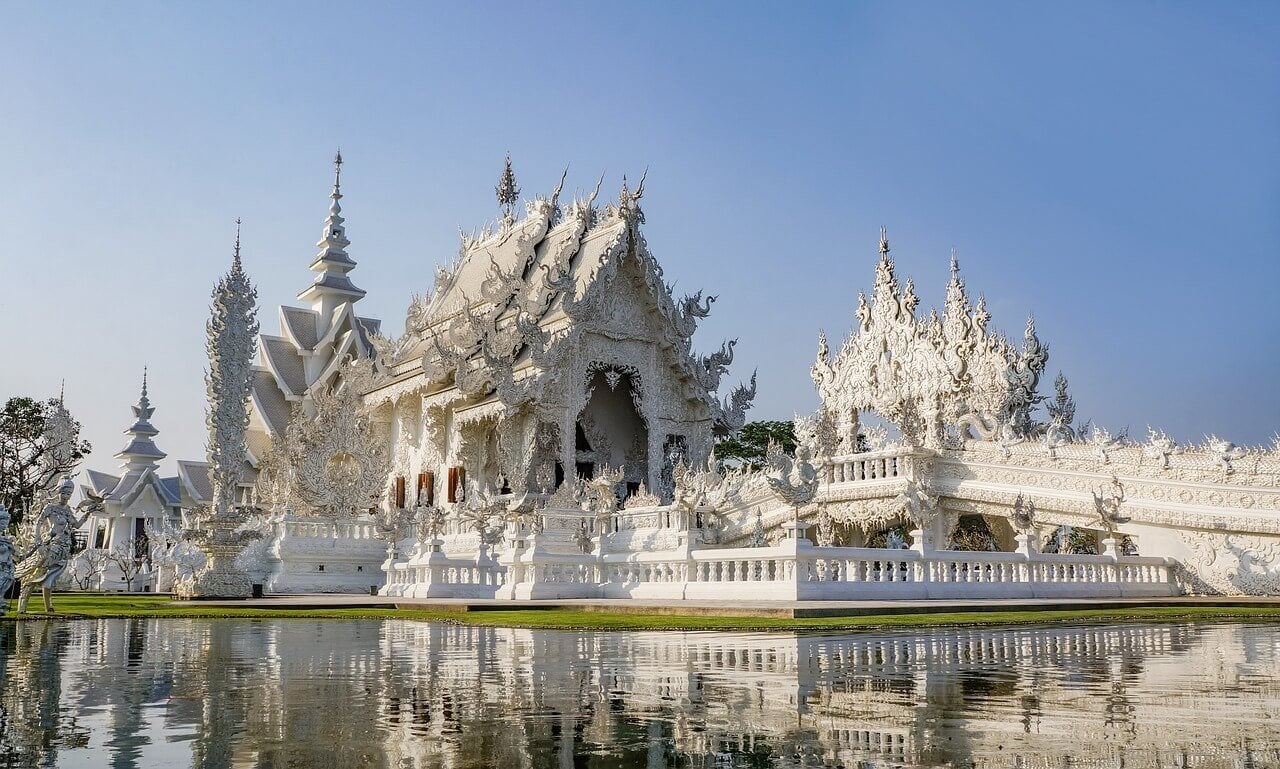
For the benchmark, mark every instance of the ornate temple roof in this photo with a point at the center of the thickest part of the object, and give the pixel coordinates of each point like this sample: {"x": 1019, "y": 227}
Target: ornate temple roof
{"x": 299, "y": 326}
{"x": 193, "y": 478}
{"x": 140, "y": 459}
{"x": 313, "y": 341}
{"x": 516, "y": 291}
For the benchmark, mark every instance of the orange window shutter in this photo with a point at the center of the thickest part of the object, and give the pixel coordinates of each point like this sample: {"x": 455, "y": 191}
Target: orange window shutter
{"x": 429, "y": 483}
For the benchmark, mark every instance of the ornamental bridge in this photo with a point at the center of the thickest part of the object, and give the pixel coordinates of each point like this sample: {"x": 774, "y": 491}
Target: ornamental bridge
{"x": 1190, "y": 523}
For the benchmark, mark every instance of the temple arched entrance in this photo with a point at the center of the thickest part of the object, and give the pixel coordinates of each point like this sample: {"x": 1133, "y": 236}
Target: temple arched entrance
{"x": 610, "y": 431}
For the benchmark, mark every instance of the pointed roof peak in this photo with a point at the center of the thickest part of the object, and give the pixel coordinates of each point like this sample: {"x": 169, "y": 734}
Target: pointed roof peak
{"x": 235, "y": 258}
{"x": 62, "y": 393}
{"x": 336, "y": 195}
{"x": 884, "y": 241}
{"x": 955, "y": 264}
{"x": 507, "y": 191}
{"x": 332, "y": 262}
{"x": 141, "y": 450}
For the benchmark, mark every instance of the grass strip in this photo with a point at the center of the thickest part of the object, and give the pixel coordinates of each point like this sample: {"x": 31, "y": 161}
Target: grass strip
{"x": 72, "y": 607}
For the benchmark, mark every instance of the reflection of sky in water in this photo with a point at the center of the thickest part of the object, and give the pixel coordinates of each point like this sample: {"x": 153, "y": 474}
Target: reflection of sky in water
{"x": 224, "y": 693}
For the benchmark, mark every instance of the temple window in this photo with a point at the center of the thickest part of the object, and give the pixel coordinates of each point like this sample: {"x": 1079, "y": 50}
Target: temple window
{"x": 457, "y": 482}
{"x": 427, "y": 488}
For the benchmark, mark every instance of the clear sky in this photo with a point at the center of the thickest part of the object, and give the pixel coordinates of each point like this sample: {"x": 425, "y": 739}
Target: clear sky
{"x": 1113, "y": 167}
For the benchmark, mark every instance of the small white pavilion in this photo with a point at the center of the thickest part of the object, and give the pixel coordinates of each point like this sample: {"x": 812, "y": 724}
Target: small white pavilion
{"x": 136, "y": 498}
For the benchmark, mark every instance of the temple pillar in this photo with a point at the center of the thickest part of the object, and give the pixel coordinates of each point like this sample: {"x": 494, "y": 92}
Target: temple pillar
{"x": 568, "y": 444}
{"x": 657, "y": 435}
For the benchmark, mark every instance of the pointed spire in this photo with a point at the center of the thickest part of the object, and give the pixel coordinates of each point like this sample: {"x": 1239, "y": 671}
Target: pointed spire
{"x": 955, "y": 264}
{"x": 332, "y": 286}
{"x": 62, "y": 393}
{"x": 141, "y": 452}
{"x": 884, "y": 242}
{"x": 507, "y": 191}
{"x": 235, "y": 259}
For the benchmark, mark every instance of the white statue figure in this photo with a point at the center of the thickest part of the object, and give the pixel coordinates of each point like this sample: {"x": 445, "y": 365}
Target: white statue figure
{"x": 6, "y": 558}
{"x": 46, "y": 558}
{"x": 792, "y": 481}
{"x": 1024, "y": 514}
{"x": 758, "y": 536}
{"x": 1108, "y": 506}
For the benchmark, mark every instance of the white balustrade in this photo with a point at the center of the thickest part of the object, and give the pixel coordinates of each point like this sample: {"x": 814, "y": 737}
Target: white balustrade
{"x": 885, "y": 465}
{"x": 834, "y": 573}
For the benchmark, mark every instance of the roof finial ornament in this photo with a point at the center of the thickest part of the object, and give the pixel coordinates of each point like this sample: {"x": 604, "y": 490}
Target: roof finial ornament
{"x": 507, "y": 191}
{"x": 62, "y": 393}
{"x": 955, "y": 263}
{"x": 235, "y": 259}
{"x": 555, "y": 195}
{"x": 629, "y": 202}
{"x": 336, "y": 195}
{"x": 884, "y": 242}
{"x": 144, "y": 380}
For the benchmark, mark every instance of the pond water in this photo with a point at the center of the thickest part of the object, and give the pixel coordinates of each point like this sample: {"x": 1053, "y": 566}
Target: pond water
{"x": 303, "y": 693}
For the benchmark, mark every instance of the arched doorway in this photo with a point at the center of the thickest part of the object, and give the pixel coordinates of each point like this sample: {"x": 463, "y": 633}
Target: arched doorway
{"x": 610, "y": 432}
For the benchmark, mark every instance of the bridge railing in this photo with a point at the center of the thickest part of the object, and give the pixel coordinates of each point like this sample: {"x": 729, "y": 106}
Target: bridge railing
{"x": 803, "y": 572}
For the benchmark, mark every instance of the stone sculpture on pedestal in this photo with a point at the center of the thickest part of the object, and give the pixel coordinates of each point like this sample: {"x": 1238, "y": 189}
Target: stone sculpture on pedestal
{"x": 795, "y": 482}
{"x": 219, "y": 530}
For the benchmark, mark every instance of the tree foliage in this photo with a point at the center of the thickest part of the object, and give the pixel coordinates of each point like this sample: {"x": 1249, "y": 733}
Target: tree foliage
{"x": 751, "y": 443}
{"x": 39, "y": 443}
{"x": 973, "y": 534}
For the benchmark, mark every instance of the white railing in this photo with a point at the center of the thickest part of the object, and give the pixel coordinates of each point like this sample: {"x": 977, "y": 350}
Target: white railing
{"x": 884, "y": 465}
{"x": 315, "y": 529}
{"x": 837, "y": 573}
{"x": 434, "y": 575}
{"x": 804, "y": 572}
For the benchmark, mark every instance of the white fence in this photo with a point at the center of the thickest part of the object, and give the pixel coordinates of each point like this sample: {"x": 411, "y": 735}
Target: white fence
{"x": 794, "y": 572}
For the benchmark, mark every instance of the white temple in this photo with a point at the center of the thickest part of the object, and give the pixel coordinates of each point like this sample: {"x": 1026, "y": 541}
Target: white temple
{"x": 135, "y": 503}
{"x": 544, "y": 428}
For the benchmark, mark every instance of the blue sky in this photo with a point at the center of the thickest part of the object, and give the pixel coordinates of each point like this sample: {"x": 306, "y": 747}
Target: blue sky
{"x": 1113, "y": 167}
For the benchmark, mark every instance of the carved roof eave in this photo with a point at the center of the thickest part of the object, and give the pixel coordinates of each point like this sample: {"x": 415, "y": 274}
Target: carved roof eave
{"x": 147, "y": 479}
{"x": 345, "y": 320}
{"x": 269, "y": 363}
{"x": 287, "y": 327}
{"x": 487, "y": 408}
{"x": 350, "y": 344}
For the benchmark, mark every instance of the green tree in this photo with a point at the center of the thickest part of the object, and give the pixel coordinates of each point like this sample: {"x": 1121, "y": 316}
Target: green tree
{"x": 972, "y": 533}
{"x": 39, "y": 443}
{"x": 751, "y": 443}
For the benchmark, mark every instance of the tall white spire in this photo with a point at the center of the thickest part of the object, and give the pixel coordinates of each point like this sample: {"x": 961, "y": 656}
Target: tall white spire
{"x": 331, "y": 265}
{"x": 141, "y": 452}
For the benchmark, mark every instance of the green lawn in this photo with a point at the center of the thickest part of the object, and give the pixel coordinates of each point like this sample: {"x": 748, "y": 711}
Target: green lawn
{"x": 75, "y": 606}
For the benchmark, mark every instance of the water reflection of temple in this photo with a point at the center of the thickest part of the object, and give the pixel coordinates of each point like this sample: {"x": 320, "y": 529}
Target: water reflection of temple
{"x": 407, "y": 695}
